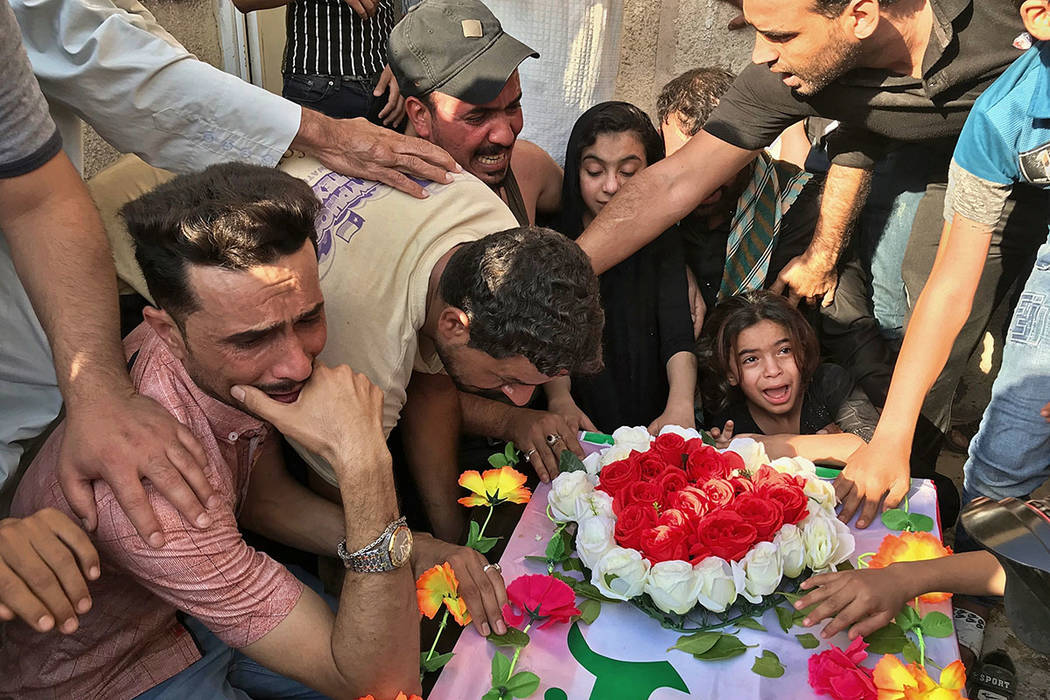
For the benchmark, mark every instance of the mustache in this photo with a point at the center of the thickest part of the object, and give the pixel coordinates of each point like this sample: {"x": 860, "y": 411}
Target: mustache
{"x": 491, "y": 150}
{"x": 280, "y": 387}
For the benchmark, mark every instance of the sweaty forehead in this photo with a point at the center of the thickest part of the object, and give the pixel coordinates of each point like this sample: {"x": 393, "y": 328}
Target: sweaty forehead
{"x": 261, "y": 294}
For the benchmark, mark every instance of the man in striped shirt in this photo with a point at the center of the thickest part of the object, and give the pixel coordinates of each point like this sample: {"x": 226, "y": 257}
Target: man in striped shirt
{"x": 335, "y": 57}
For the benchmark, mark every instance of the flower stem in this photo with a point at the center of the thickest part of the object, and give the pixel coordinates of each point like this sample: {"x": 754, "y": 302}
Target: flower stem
{"x": 441, "y": 628}
{"x": 517, "y": 653}
{"x": 481, "y": 532}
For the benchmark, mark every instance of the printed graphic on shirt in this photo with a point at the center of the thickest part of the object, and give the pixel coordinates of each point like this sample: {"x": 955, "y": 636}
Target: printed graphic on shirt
{"x": 339, "y": 196}
{"x": 1035, "y": 165}
{"x": 1029, "y": 319}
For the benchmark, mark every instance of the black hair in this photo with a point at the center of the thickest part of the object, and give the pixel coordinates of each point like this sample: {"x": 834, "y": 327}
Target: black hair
{"x": 529, "y": 291}
{"x": 232, "y": 215}
{"x": 604, "y": 118}
{"x": 834, "y": 8}
{"x": 693, "y": 96}
{"x": 727, "y": 320}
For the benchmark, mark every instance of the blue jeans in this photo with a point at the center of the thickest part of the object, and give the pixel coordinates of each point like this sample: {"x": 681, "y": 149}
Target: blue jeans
{"x": 225, "y": 673}
{"x": 1010, "y": 455}
{"x": 339, "y": 97}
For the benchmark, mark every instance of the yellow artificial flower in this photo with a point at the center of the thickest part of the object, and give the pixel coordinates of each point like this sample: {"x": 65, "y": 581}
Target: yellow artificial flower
{"x": 439, "y": 585}
{"x": 895, "y": 681}
{"x": 493, "y": 487}
{"x": 911, "y": 546}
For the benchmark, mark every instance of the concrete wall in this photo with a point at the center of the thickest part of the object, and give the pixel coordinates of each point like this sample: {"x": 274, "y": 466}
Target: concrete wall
{"x": 663, "y": 38}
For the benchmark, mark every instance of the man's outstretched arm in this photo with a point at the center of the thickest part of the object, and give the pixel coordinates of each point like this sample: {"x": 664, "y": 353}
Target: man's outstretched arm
{"x": 665, "y": 192}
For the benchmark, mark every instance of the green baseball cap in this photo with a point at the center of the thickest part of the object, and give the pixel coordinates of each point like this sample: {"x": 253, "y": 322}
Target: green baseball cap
{"x": 457, "y": 47}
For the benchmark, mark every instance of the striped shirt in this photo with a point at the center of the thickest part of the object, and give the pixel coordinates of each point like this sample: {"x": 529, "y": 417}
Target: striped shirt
{"x": 326, "y": 37}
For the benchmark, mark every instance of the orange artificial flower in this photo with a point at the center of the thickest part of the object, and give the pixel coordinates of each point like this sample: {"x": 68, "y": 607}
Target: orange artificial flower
{"x": 439, "y": 585}
{"x": 400, "y": 696}
{"x": 493, "y": 487}
{"x": 911, "y": 546}
{"x": 895, "y": 681}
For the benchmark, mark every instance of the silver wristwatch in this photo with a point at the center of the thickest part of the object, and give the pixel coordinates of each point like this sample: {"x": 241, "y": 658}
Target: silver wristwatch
{"x": 391, "y": 550}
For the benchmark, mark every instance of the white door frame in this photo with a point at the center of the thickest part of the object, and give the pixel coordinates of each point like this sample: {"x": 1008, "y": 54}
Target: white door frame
{"x": 239, "y": 41}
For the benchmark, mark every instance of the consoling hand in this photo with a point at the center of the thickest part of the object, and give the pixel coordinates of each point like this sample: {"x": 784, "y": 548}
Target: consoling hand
{"x": 123, "y": 440}
{"x": 806, "y": 279}
{"x": 862, "y": 601}
{"x": 874, "y": 473}
{"x": 481, "y": 584}
{"x": 44, "y": 561}
{"x": 394, "y": 109}
{"x": 529, "y": 430}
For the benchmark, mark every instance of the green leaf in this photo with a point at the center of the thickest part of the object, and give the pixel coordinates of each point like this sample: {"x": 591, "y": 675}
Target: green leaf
{"x": 498, "y": 460}
{"x": 908, "y": 618}
{"x": 475, "y": 532}
{"x": 807, "y": 640}
{"x": 910, "y": 652}
{"x": 435, "y": 662}
{"x": 917, "y": 522}
{"x": 493, "y": 694}
{"x": 572, "y": 564}
{"x": 768, "y": 665}
{"x": 589, "y": 610}
{"x": 484, "y": 544}
{"x": 514, "y": 638}
{"x": 569, "y": 462}
{"x": 895, "y": 519}
{"x": 511, "y": 453}
{"x": 586, "y": 589}
{"x": 846, "y": 565}
{"x": 555, "y": 550}
{"x": 697, "y": 643}
{"x": 705, "y": 437}
{"x": 750, "y": 623}
{"x": 800, "y": 615}
{"x": 726, "y": 647}
{"x": 532, "y": 557}
{"x": 609, "y": 578}
{"x": 500, "y": 669}
{"x": 936, "y": 624}
{"x": 790, "y": 597}
{"x": 888, "y": 640}
{"x": 565, "y": 579}
{"x": 786, "y": 618}
{"x": 522, "y": 684}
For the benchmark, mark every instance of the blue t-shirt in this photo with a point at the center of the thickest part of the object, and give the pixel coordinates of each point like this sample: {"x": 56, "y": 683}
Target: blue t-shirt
{"x": 1006, "y": 140}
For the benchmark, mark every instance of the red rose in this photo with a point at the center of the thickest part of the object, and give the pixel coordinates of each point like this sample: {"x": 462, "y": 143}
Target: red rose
{"x": 676, "y": 519}
{"x": 718, "y": 493}
{"x": 647, "y": 492}
{"x": 618, "y": 475}
{"x": 791, "y": 498}
{"x": 689, "y": 500}
{"x": 704, "y": 464}
{"x": 725, "y": 534}
{"x": 631, "y": 522}
{"x": 741, "y": 484}
{"x": 732, "y": 461}
{"x": 767, "y": 475}
{"x": 671, "y": 446}
{"x": 663, "y": 543}
{"x": 651, "y": 464}
{"x": 766, "y": 515}
{"x": 672, "y": 479}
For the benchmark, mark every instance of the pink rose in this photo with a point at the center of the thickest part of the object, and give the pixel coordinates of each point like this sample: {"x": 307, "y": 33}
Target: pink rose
{"x": 839, "y": 674}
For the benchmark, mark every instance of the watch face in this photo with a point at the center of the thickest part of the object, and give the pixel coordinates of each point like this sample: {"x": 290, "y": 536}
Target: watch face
{"x": 400, "y": 546}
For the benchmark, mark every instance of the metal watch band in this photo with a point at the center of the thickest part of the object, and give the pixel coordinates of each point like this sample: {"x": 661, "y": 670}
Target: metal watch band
{"x": 373, "y": 557}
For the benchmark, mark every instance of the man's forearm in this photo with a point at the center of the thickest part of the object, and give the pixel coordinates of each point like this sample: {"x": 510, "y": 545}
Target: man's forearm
{"x": 430, "y": 428}
{"x": 681, "y": 377}
{"x": 62, "y": 256}
{"x": 484, "y": 417}
{"x": 845, "y": 192}
{"x": 965, "y": 573}
{"x": 666, "y": 192}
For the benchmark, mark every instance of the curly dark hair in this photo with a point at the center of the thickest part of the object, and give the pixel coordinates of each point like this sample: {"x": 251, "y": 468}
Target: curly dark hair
{"x": 693, "y": 96}
{"x": 734, "y": 315}
{"x": 231, "y": 215}
{"x": 529, "y": 291}
{"x": 834, "y": 8}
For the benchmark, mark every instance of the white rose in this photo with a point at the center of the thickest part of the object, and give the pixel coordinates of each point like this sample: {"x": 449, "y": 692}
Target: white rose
{"x": 620, "y": 573}
{"x": 594, "y": 537}
{"x": 686, "y": 433}
{"x": 794, "y": 466}
{"x": 637, "y": 438}
{"x": 564, "y": 490}
{"x": 615, "y": 454}
{"x": 762, "y": 571}
{"x": 673, "y": 586}
{"x": 792, "y": 550}
{"x": 751, "y": 451}
{"x": 594, "y": 503}
{"x": 821, "y": 496}
{"x": 828, "y": 541}
{"x": 592, "y": 463}
{"x": 720, "y": 581}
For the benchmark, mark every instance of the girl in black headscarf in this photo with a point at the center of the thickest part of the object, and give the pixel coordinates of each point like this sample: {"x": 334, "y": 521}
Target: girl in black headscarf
{"x": 650, "y": 367}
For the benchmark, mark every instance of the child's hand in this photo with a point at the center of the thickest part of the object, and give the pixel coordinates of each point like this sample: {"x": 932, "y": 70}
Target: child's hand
{"x": 863, "y": 601}
{"x": 724, "y": 436}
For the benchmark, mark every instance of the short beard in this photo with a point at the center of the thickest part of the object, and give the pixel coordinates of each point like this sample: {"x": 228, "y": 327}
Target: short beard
{"x": 841, "y": 58}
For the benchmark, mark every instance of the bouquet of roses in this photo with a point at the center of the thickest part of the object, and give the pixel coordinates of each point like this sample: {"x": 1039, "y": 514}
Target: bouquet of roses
{"x": 689, "y": 525}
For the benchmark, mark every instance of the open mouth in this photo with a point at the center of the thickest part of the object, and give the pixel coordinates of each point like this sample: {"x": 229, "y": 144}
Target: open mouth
{"x": 286, "y": 397}
{"x": 492, "y": 161}
{"x": 778, "y": 395}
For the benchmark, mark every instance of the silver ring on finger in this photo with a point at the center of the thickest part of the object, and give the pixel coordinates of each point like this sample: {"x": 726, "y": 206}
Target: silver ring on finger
{"x": 497, "y": 567}
{"x": 553, "y": 438}
{"x": 528, "y": 455}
